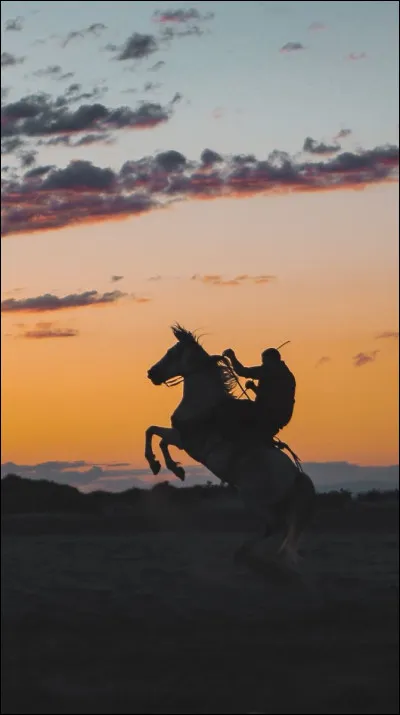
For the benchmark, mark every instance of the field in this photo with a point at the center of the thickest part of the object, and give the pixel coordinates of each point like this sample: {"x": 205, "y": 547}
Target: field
{"x": 102, "y": 616}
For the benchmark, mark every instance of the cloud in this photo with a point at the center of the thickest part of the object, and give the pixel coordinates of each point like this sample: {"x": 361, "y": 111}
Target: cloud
{"x": 157, "y": 66}
{"x": 95, "y": 29}
{"x": 343, "y": 134}
{"x": 292, "y": 47}
{"x": 39, "y": 115}
{"x": 181, "y": 16}
{"x": 169, "y": 33}
{"x": 210, "y": 157}
{"x": 354, "y": 56}
{"x": 137, "y": 47}
{"x": 323, "y": 360}
{"x": 9, "y": 146}
{"x": 151, "y": 86}
{"x": 9, "y": 60}
{"x": 317, "y": 26}
{"x": 115, "y": 279}
{"x": 49, "y": 71}
{"x": 28, "y": 158}
{"x": 311, "y": 146}
{"x": 45, "y": 333}
{"x": 364, "y": 358}
{"x": 83, "y": 192}
{"x": 14, "y": 25}
{"x": 48, "y": 302}
{"x": 388, "y": 334}
{"x": 218, "y": 280}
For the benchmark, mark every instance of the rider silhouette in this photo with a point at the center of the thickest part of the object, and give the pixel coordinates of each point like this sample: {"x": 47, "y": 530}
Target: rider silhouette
{"x": 275, "y": 394}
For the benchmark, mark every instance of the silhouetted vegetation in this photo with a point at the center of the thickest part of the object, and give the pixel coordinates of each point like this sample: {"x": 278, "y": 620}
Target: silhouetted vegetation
{"x": 27, "y": 496}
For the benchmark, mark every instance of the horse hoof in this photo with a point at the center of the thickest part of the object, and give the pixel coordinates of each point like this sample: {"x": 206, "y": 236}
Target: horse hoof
{"x": 180, "y": 473}
{"x": 155, "y": 466}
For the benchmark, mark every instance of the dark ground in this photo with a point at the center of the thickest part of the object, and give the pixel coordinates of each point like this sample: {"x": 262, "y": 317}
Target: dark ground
{"x": 100, "y": 616}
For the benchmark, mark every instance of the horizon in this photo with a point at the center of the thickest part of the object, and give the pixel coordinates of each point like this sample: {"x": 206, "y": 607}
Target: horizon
{"x": 233, "y": 168}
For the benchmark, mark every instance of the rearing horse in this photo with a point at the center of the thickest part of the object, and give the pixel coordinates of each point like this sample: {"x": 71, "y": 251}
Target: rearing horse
{"x": 269, "y": 483}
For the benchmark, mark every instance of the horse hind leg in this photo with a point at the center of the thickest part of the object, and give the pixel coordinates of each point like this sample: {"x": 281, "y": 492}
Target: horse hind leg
{"x": 298, "y": 517}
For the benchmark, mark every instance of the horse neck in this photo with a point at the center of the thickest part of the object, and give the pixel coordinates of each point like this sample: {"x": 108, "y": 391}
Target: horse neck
{"x": 202, "y": 392}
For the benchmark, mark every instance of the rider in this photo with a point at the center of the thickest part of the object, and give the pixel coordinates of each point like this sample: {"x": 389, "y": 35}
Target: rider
{"x": 275, "y": 394}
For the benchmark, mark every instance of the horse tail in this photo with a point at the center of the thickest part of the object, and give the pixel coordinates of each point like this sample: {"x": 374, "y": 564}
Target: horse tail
{"x": 299, "y": 513}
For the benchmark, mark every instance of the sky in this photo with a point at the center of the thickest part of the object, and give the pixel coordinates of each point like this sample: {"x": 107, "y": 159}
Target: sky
{"x": 229, "y": 166}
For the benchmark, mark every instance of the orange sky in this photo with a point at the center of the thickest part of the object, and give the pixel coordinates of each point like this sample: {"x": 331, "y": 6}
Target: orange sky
{"x": 335, "y": 259}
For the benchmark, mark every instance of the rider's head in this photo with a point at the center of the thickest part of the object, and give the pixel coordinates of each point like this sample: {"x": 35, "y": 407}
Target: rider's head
{"x": 271, "y": 355}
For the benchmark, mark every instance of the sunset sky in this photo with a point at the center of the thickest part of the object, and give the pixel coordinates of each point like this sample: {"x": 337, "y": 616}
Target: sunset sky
{"x": 231, "y": 166}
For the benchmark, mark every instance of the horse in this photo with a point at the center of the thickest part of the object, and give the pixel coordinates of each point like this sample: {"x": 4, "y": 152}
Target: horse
{"x": 269, "y": 483}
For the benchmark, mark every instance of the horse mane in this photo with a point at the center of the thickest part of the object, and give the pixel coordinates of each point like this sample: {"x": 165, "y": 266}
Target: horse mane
{"x": 225, "y": 373}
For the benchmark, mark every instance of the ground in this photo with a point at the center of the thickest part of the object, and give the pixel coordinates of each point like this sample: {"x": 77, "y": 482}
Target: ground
{"x": 121, "y": 620}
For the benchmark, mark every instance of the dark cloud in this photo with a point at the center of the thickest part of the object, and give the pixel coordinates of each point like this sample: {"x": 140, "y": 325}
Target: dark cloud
{"x": 388, "y": 334}
{"x": 46, "y": 333}
{"x": 9, "y": 60}
{"x": 317, "y": 26}
{"x": 171, "y": 160}
{"x": 9, "y": 146}
{"x": 67, "y": 75}
{"x": 311, "y": 146}
{"x": 80, "y": 176}
{"x": 28, "y": 159}
{"x": 169, "y": 33}
{"x": 48, "y": 302}
{"x": 83, "y": 192}
{"x": 39, "y": 115}
{"x": 364, "y": 358}
{"x": 115, "y": 279}
{"x": 89, "y": 139}
{"x": 157, "y": 66}
{"x": 74, "y": 93}
{"x": 292, "y": 47}
{"x": 323, "y": 360}
{"x": 176, "y": 98}
{"x": 343, "y": 134}
{"x": 95, "y": 29}
{"x": 354, "y": 56}
{"x": 49, "y": 71}
{"x": 39, "y": 171}
{"x": 181, "y": 16}
{"x": 14, "y": 25}
{"x": 137, "y": 47}
{"x": 151, "y": 86}
{"x": 210, "y": 157}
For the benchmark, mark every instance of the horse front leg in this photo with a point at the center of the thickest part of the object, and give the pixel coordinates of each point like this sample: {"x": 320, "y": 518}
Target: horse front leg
{"x": 169, "y": 436}
{"x": 175, "y": 467}
{"x": 154, "y": 464}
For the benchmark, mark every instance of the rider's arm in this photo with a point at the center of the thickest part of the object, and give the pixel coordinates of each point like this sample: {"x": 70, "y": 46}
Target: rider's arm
{"x": 251, "y": 386}
{"x": 242, "y": 371}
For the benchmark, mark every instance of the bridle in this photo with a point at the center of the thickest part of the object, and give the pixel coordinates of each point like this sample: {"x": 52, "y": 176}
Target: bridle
{"x": 210, "y": 360}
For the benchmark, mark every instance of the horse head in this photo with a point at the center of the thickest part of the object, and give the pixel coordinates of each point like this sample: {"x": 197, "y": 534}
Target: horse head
{"x": 186, "y": 357}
